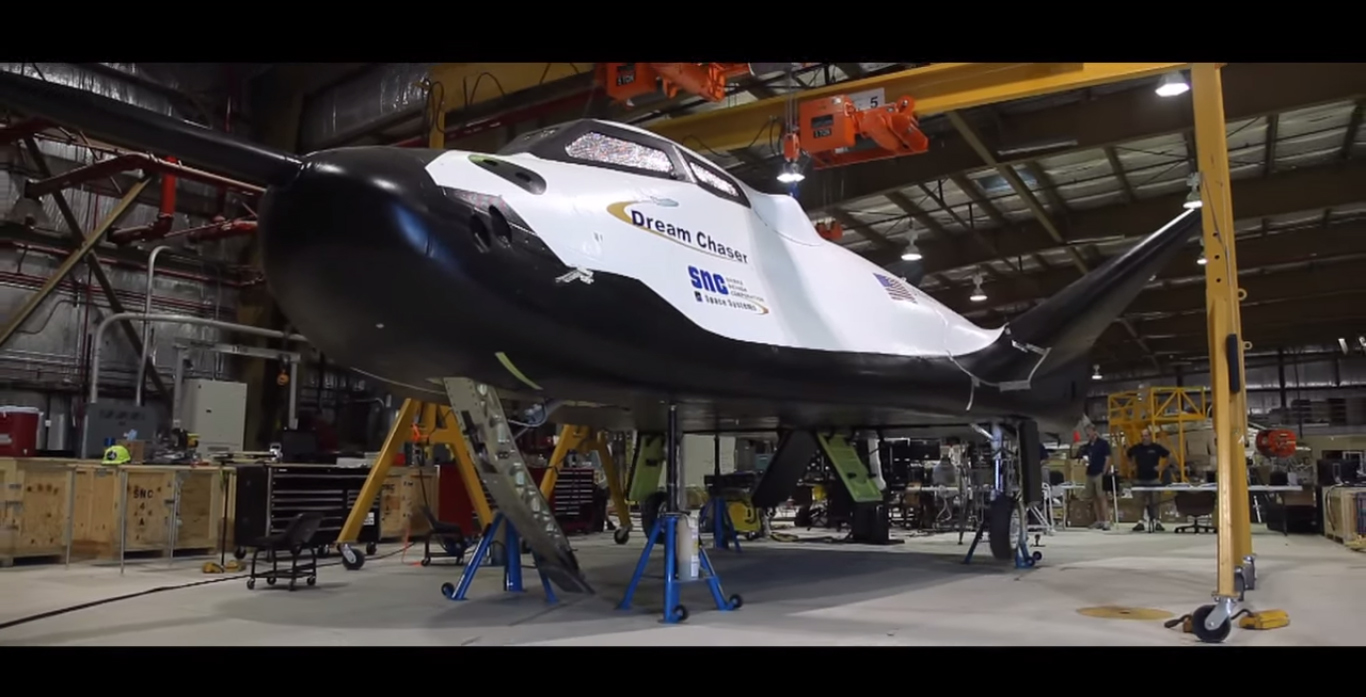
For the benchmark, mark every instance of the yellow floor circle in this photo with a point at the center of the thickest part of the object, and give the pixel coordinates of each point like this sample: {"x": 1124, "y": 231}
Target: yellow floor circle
{"x": 1113, "y": 612}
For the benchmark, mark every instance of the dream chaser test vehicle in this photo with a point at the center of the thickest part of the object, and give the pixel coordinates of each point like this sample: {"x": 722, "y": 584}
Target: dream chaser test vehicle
{"x": 598, "y": 262}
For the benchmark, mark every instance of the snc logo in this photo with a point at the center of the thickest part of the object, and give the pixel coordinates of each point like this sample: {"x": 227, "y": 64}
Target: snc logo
{"x": 706, "y": 281}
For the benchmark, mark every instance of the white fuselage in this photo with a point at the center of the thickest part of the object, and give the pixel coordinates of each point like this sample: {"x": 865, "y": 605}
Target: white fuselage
{"x": 759, "y": 274}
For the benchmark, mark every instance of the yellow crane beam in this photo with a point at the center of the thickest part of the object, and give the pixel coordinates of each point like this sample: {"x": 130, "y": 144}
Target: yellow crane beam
{"x": 937, "y": 89}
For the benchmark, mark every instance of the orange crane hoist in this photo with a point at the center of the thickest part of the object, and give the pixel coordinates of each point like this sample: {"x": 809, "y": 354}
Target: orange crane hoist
{"x": 626, "y": 81}
{"x": 835, "y": 132}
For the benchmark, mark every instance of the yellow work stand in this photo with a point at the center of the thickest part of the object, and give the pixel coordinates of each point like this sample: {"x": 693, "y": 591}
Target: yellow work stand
{"x": 436, "y": 424}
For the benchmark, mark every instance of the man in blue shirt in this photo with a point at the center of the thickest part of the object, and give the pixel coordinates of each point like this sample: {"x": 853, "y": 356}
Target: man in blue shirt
{"x": 1097, "y": 467}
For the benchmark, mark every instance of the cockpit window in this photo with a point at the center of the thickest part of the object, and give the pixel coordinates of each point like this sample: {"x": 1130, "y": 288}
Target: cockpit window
{"x": 705, "y": 176}
{"x": 711, "y": 179}
{"x": 596, "y": 147}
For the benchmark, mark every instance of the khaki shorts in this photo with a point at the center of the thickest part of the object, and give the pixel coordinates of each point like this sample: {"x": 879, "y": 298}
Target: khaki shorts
{"x": 1095, "y": 487}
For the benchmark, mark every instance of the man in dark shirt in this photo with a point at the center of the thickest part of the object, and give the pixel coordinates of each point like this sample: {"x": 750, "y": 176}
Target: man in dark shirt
{"x": 1146, "y": 457}
{"x": 1097, "y": 466}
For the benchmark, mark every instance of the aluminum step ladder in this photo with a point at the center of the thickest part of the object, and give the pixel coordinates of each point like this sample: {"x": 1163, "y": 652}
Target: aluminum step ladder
{"x": 505, "y": 476}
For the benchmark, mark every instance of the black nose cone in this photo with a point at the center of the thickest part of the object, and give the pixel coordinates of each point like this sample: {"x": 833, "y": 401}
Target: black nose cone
{"x": 341, "y": 238}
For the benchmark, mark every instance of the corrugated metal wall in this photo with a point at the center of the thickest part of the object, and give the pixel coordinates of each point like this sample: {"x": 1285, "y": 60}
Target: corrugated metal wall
{"x": 41, "y": 365}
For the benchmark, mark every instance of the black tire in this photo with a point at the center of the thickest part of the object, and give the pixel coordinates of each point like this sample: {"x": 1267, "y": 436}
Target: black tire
{"x": 680, "y": 614}
{"x": 251, "y": 584}
{"x": 1038, "y": 556}
{"x": 650, "y": 509}
{"x": 270, "y": 581}
{"x": 448, "y": 590}
{"x": 736, "y": 602}
{"x": 621, "y": 536}
{"x": 352, "y": 559}
{"x": 239, "y": 554}
{"x": 426, "y": 561}
{"x": 1209, "y": 636}
{"x": 312, "y": 580}
{"x": 999, "y": 516}
{"x": 371, "y": 548}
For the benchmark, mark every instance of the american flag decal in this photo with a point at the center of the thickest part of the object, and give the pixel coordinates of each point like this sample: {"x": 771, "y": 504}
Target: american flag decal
{"x": 895, "y": 288}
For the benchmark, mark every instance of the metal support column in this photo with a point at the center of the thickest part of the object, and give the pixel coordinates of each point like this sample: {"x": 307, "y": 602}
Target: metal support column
{"x": 87, "y": 245}
{"x": 1223, "y": 297}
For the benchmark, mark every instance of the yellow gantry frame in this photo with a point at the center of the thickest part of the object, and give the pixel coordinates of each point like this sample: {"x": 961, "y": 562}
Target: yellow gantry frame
{"x": 1155, "y": 409}
{"x": 437, "y": 424}
{"x": 1222, "y": 299}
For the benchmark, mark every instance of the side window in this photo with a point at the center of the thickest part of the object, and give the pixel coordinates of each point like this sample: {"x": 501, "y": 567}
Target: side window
{"x": 596, "y": 147}
{"x": 713, "y": 181}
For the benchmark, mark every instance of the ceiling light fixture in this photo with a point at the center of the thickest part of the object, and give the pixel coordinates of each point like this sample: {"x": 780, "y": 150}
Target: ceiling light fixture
{"x": 1096, "y": 375}
{"x": 911, "y": 252}
{"x": 790, "y": 174}
{"x": 977, "y": 294}
{"x": 1193, "y": 199}
{"x": 1173, "y": 84}
{"x": 1343, "y": 344}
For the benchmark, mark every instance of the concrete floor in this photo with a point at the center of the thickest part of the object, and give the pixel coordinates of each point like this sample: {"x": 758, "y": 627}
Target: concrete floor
{"x": 917, "y": 593}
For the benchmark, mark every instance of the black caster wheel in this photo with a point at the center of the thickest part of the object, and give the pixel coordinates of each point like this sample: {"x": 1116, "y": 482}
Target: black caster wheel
{"x": 1209, "y": 636}
{"x": 270, "y": 581}
{"x": 371, "y": 548}
{"x": 1037, "y": 556}
{"x": 251, "y": 584}
{"x": 426, "y": 561}
{"x": 448, "y": 591}
{"x": 736, "y": 602}
{"x": 621, "y": 536}
{"x": 239, "y": 554}
{"x": 312, "y": 580}
{"x": 352, "y": 559}
{"x": 680, "y": 614}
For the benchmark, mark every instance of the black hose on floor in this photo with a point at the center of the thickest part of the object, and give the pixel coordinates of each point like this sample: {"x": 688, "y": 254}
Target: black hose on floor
{"x": 160, "y": 589}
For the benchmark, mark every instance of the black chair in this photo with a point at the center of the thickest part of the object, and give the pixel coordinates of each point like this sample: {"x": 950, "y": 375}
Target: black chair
{"x": 1195, "y": 505}
{"x": 294, "y": 539}
{"x": 449, "y": 535}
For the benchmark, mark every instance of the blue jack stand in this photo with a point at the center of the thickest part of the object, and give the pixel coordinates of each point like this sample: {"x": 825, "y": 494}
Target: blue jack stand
{"x": 674, "y": 611}
{"x": 723, "y": 533}
{"x": 1024, "y": 559}
{"x": 512, "y": 569}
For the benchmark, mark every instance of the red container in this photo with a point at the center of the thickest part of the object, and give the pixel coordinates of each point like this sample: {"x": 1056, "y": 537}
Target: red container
{"x": 18, "y": 431}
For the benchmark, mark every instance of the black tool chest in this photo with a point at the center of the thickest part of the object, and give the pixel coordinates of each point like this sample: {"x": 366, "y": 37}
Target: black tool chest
{"x": 572, "y": 501}
{"x": 269, "y": 496}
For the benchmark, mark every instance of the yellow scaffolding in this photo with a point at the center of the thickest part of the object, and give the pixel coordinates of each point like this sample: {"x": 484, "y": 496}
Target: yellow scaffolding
{"x": 1166, "y": 412}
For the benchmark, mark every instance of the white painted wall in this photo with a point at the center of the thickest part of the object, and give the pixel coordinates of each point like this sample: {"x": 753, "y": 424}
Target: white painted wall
{"x": 699, "y": 457}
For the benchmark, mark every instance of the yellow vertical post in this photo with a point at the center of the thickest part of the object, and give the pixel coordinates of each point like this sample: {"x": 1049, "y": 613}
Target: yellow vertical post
{"x": 572, "y": 438}
{"x": 445, "y": 429}
{"x": 398, "y": 435}
{"x": 614, "y": 484}
{"x": 1221, "y": 301}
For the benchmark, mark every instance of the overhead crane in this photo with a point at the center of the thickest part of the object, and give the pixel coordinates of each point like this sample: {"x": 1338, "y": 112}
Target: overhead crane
{"x": 949, "y": 87}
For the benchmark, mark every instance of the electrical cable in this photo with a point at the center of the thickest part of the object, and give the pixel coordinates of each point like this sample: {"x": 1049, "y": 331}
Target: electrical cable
{"x": 160, "y": 589}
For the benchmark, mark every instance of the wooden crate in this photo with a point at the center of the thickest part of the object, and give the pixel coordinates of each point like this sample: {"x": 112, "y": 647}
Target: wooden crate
{"x": 1341, "y": 516}
{"x": 34, "y": 508}
{"x": 147, "y": 508}
{"x": 401, "y": 501}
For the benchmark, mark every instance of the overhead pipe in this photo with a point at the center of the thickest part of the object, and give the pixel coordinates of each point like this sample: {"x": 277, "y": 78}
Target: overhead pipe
{"x": 216, "y": 230}
{"x": 130, "y": 161}
{"x": 147, "y": 304}
{"x": 170, "y": 319}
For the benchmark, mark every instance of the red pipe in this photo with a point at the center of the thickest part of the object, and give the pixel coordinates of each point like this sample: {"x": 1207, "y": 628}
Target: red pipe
{"x": 168, "y": 184}
{"x": 217, "y": 230}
